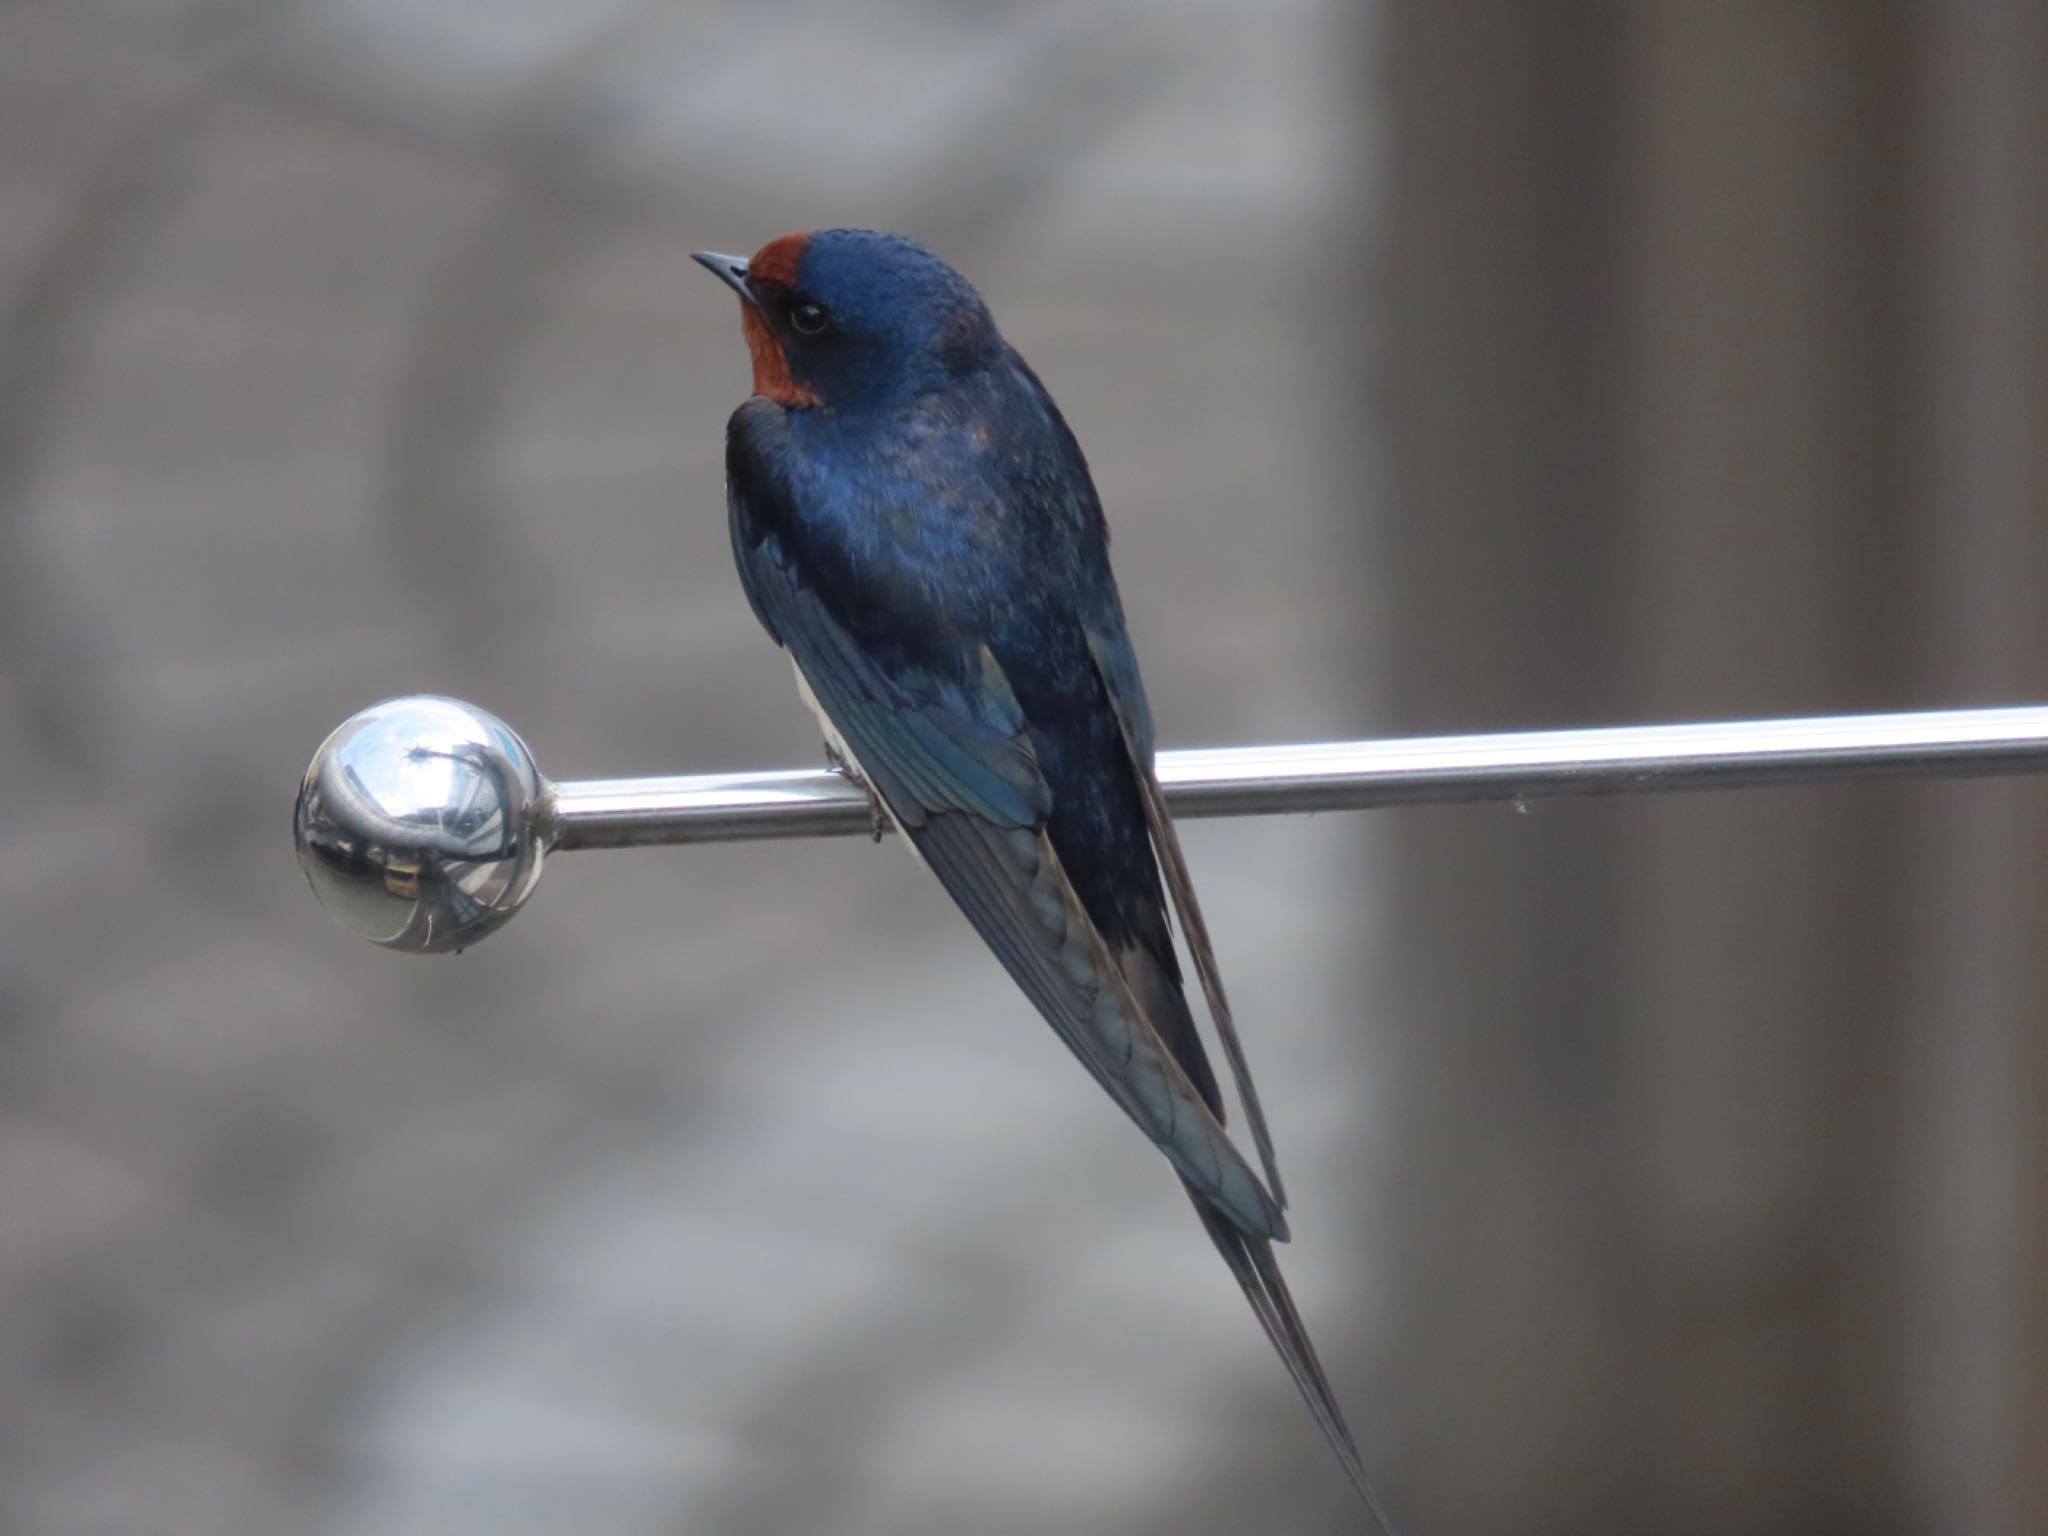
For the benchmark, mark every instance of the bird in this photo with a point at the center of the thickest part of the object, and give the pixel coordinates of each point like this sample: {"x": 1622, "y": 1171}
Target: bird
{"x": 915, "y": 524}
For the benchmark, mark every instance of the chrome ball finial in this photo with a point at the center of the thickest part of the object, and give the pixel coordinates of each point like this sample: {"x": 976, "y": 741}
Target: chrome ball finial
{"x": 419, "y": 826}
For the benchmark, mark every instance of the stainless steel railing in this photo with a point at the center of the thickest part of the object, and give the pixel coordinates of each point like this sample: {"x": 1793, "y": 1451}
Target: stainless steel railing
{"x": 423, "y": 822}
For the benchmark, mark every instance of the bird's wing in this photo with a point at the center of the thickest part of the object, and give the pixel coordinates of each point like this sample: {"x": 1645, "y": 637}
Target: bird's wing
{"x": 947, "y": 748}
{"x": 1118, "y": 668}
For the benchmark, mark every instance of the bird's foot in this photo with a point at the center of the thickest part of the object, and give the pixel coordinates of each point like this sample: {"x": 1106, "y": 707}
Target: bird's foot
{"x": 878, "y": 818}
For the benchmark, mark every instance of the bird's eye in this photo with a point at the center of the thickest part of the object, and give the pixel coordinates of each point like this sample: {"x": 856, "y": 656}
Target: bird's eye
{"x": 808, "y": 317}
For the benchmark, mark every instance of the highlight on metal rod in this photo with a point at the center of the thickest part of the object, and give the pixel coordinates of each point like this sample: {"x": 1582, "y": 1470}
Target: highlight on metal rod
{"x": 422, "y": 822}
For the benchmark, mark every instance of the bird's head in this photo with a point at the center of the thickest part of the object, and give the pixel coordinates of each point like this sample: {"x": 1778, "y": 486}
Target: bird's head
{"x": 852, "y": 319}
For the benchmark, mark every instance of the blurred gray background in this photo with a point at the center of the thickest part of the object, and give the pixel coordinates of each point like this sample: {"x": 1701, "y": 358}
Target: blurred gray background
{"x": 1671, "y": 1167}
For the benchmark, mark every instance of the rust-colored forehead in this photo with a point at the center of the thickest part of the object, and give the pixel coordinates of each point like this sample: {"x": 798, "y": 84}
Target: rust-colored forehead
{"x": 776, "y": 262}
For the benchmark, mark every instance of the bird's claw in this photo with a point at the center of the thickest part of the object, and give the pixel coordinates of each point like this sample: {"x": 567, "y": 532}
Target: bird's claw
{"x": 878, "y": 818}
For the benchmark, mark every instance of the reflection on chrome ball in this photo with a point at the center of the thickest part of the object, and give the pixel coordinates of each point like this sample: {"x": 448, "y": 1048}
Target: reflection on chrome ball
{"x": 417, "y": 824}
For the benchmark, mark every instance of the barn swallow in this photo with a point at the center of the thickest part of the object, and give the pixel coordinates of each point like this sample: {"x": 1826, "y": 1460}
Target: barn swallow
{"x": 915, "y": 524}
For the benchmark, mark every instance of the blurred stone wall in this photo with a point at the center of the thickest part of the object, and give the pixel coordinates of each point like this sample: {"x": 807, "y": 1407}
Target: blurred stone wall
{"x": 352, "y": 348}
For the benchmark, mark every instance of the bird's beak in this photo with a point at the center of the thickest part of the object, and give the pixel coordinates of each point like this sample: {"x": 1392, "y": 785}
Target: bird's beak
{"x": 730, "y": 270}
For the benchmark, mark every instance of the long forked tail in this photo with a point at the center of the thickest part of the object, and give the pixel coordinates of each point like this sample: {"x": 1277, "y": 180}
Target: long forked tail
{"x": 1258, "y": 1273}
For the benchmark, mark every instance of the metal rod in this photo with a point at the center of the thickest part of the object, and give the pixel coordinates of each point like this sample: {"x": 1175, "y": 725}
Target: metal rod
{"x": 1349, "y": 775}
